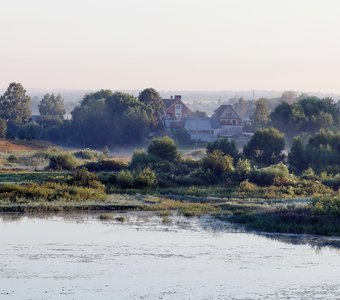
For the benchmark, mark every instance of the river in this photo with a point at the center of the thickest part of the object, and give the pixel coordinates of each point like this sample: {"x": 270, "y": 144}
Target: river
{"x": 79, "y": 256}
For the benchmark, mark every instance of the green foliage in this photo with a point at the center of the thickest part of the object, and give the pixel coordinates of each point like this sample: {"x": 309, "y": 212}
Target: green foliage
{"x": 327, "y": 205}
{"x": 145, "y": 178}
{"x": 297, "y": 158}
{"x": 182, "y": 137}
{"x": 105, "y": 119}
{"x": 61, "y": 162}
{"x": 51, "y": 105}
{"x": 243, "y": 167}
{"x": 268, "y": 176}
{"x": 124, "y": 179}
{"x": 15, "y": 104}
{"x": 217, "y": 163}
{"x": 28, "y": 132}
{"x": 82, "y": 177}
{"x": 3, "y": 128}
{"x": 48, "y": 192}
{"x": 88, "y": 154}
{"x": 163, "y": 148}
{"x": 141, "y": 159}
{"x": 152, "y": 99}
{"x": 225, "y": 146}
{"x": 265, "y": 147}
{"x": 310, "y": 114}
{"x": 106, "y": 165}
{"x": 260, "y": 118}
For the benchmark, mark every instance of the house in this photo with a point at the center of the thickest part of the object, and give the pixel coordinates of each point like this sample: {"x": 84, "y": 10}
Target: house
{"x": 202, "y": 129}
{"x": 175, "y": 109}
{"x": 227, "y": 116}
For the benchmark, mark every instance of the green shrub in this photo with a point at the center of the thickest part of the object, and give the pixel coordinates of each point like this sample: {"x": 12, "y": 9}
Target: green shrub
{"x": 89, "y": 154}
{"x": 3, "y": 128}
{"x": 124, "y": 179}
{"x": 82, "y": 177}
{"x": 266, "y": 176}
{"x": 217, "y": 163}
{"x": 145, "y": 178}
{"x": 225, "y": 146}
{"x": 63, "y": 162}
{"x": 107, "y": 165}
{"x": 141, "y": 159}
{"x": 13, "y": 159}
{"x": 164, "y": 148}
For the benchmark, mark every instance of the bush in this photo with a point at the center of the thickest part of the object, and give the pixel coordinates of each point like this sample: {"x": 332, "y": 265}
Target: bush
{"x": 266, "y": 176}
{"x": 29, "y": 132}
{"x": 13, "y": 159}
{"x": 145, "y": 178}
{"x": 124, "y": 179}
{"x": 63, "y": 162}
{"x": 141, "y": 159}
{"x": 107, "y": 165}
{"x": 182, "y": 136}
{"x": 217, "y": 163}
{"x": 84, "y": 178}
{"x": 225, "y": 146}
{"x": 89, "y": 154}
{"x": 164, "y": 148}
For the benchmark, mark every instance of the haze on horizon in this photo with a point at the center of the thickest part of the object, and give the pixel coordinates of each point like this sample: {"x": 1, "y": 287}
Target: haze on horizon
{"x": 171, "y": 44}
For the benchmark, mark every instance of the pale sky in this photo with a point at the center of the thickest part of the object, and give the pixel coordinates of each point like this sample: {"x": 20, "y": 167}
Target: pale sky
{"x": 171, "y": 44}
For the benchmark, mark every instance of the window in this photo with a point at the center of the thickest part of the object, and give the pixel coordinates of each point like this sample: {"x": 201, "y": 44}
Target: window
{"x": 178, "y": 106}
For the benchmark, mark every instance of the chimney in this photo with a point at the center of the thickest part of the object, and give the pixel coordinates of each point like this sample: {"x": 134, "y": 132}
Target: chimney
{"x": 178, "y": 97}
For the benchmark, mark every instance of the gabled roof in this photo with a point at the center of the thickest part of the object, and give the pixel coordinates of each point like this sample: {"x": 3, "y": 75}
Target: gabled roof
{"x": 169, "y": 102}
{"x": 219, "y": 111}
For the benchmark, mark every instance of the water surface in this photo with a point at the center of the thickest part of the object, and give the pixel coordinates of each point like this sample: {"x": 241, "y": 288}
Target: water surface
{"x": 80, "y": 257}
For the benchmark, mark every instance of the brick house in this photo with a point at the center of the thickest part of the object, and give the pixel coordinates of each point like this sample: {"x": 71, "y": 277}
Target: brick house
{"x": 175, "y": 109}
{"x": 227, "y": 116}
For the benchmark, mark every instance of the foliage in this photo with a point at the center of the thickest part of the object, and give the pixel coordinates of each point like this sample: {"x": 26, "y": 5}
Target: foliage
{"x": 51, "y": 105}
{"x": 105, "y": 119}
{"x": 225, "y": 146}
{"x": 260, "y": 118}
{"x": 182, "y": 136}
{"x": 82, "y": 177}
{"x": 163, "y": 148}
{"x": 152, "y": 99}
{"x": 88, "y": 154}
{"x": 3, "y": 128}
{"x": 61, "y": 162}
{"x": 105, "y": 165}
{"x": 28, "y": 132}
{"x": 296, "y": 158}
{"x": 265, "y": 147}
{"x": 267, "y": 176}
{"x": 310, "y": 114}
{"x": 217, "y": 163}
{"x": 141, "y": 159}
{"x": 48, "y": 192}
{"x": 125, "y": 179}
{"x": 15, "y": 104}
{"x": 145, "y": 178}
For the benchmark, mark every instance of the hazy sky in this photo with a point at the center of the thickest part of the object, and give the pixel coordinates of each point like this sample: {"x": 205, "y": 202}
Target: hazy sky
{"x": 171, "y": 44}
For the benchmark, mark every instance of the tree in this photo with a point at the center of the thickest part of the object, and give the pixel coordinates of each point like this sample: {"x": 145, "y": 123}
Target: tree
{"x": 151, "y": 98}
{"x": 218, "y": 163}
{"x": 296, "y": 157}
{"x": 15, "y": 104}
{"x": 182, "y": 136}
{"x": 260, "y": 118}
{"x": 225, "y": 146}
{"x": 51, "y": 105}
{"x": 163, "y": 148}
{"x": 265, "y": 147}
{"x": 3, "y": 128}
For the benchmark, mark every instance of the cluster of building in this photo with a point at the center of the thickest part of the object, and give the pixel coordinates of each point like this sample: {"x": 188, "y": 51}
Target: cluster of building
{"x": 224, "y": 123}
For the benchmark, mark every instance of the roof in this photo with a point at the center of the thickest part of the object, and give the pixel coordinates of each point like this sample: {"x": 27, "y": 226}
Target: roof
{"x": 220, "y": 112}
{"x": 228, "y": 130}
{"x": 169, "y": 102}
{"x": 200, "y": 124}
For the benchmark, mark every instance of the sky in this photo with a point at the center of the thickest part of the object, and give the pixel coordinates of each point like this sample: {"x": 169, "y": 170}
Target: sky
{"x": 171, "y": 44}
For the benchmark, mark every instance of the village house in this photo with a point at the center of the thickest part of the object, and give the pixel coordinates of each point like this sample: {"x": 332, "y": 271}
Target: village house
{"x": 224, "y": 123}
